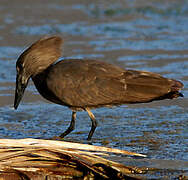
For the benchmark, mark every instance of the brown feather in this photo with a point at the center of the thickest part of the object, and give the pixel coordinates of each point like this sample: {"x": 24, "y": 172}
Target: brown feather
{"x": 84, "y": 84}
{"x": 91, "y": 83}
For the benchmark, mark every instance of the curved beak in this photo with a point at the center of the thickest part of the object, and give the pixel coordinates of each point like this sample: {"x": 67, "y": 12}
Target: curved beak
{"x": 21, "y": 84}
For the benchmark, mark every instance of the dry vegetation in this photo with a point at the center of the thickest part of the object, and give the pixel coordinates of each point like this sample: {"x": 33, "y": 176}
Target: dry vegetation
{"x": 54, "y": 160}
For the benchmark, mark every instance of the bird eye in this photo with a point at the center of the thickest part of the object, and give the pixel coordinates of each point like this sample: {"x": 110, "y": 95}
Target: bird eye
{"x": 19, "y": 67}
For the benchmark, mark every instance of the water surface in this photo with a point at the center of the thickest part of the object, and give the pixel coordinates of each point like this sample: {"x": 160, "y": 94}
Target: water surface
{"x": 140, "y": 35}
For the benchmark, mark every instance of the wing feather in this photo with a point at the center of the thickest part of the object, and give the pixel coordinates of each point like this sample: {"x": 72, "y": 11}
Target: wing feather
{"x": 83, "y": 83}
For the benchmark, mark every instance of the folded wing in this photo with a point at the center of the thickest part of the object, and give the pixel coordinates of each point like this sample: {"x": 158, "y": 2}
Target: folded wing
{"x": 86, "y": 83}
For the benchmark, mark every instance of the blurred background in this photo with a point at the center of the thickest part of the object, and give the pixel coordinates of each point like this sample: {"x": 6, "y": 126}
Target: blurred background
{"x": 134, "y": 34}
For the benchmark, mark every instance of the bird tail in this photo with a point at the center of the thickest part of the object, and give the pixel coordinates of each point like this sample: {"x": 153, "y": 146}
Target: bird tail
{"x": 175, "y": 88}
{"x": 177, "y": 85}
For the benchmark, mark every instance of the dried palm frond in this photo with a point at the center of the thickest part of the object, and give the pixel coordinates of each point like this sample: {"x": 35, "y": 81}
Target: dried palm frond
{"x": 54, "y": 160}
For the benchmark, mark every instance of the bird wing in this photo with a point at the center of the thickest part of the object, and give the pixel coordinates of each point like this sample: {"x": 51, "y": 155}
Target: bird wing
{"x": 88, "y": 83}
{"x": 83, "y": 83}
{"x": 143, "y": 86}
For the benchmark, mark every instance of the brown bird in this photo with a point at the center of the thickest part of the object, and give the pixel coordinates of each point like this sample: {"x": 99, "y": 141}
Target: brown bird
{"x": 86, "y": 84}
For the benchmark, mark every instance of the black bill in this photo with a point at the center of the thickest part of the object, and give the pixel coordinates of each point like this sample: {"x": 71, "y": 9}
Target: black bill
{"x": 19, "y": 91}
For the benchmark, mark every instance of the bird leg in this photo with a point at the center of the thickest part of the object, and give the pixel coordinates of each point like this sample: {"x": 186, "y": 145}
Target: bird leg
{"x": 94, "y": 123}
{"x": 72, "y": 125}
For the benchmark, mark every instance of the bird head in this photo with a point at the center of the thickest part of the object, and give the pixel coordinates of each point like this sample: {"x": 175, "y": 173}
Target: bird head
{"x": 35, "y": 59}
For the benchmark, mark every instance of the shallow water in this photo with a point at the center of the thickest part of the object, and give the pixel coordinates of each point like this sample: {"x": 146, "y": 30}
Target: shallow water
{"x": 138, "y": 34}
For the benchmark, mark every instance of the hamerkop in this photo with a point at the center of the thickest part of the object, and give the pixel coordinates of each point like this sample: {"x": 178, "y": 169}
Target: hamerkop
{"x": 86, "y": 84}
